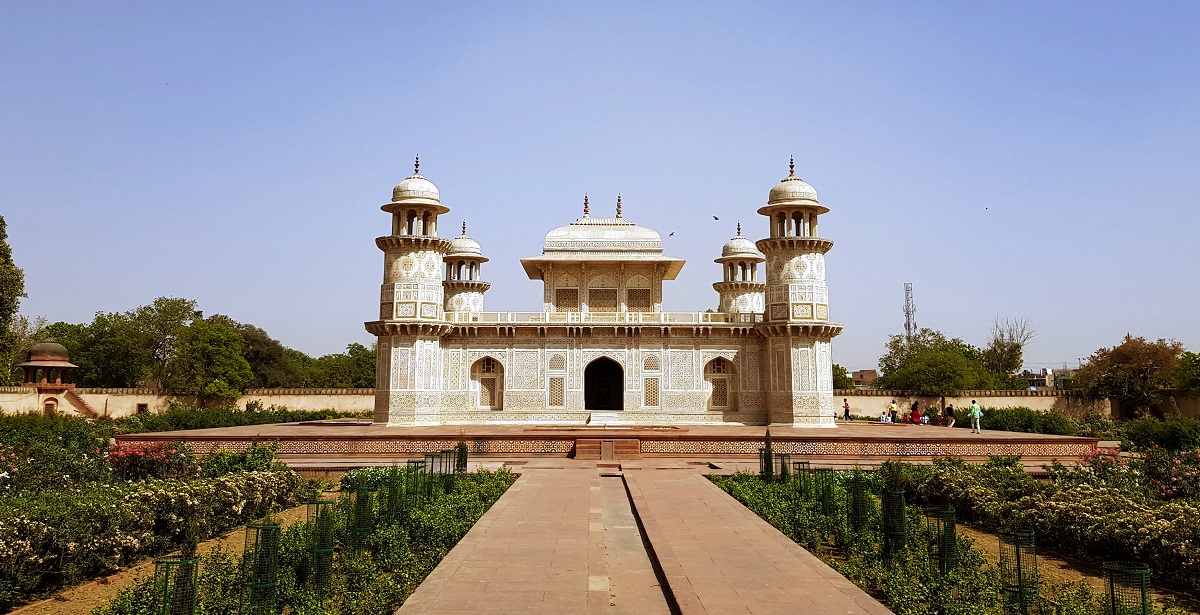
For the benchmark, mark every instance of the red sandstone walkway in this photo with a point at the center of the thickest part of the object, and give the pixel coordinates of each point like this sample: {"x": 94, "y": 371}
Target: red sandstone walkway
{"x": 564, "y": 540}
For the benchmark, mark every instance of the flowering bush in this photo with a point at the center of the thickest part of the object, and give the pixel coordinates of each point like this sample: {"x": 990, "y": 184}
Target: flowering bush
{"x": 1106, "y": 508}
{"x": 154, "y": 460}
{"x": 1172, "y": 474}
{"x": 56, "y": 538}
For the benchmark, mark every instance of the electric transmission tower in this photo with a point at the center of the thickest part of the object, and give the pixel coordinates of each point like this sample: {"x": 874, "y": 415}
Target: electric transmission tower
{"x": 910, "y": 313}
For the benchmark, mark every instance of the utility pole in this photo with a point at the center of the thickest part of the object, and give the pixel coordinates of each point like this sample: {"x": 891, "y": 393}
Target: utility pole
{"x": 910, "y": 313}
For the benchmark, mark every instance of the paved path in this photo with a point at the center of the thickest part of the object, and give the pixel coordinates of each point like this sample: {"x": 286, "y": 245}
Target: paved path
{"x": 565, "y": 539}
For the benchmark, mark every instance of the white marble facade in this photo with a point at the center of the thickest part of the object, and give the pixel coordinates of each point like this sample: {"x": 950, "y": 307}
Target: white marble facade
{"x": 602, "y": 349}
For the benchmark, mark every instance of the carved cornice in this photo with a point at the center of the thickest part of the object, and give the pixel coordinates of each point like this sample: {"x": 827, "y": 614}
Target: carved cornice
{"x": 722, "y": 287}
{"x": 413, "y": 243}
{"x": 800, "y": 244}
{"x": 478, "y": 286}
{"x": 799, "y": 329}
{"x": 424, "y": 328}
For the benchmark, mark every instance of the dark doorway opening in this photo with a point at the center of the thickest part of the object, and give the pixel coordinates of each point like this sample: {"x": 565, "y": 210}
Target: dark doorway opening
{"x": 603, "y": 385}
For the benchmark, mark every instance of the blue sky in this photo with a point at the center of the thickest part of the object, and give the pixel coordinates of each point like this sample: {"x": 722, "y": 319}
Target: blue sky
{"x": 1014, "y": 159}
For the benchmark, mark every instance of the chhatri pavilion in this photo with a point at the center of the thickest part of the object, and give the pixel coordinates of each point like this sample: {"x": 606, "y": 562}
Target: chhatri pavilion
{"x": 602, "y": 350}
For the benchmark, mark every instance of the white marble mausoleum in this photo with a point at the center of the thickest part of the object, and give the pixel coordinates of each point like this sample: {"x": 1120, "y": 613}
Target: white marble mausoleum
{"x": 602, "y": 350}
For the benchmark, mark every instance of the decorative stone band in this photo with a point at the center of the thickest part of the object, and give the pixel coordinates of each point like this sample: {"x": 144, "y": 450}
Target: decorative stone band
{"x": 427, "y": 328}
{"x": 878, "y": 448}
{"x": 560, "y": 446}
{"x": 793, "y": 329}
{"x": 413, "y": 243}
{"x": 798, "y": 244}
{"x": 466, "y": 285}
{"x": 593, "y": 330}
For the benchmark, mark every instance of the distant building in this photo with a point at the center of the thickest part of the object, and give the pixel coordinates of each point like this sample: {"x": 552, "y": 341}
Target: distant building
{"x": 864, "y": 378}
{"x": 1041, "y": 380}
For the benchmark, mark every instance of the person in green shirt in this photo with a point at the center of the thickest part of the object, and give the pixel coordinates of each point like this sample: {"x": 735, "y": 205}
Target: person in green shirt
{"x": 975, "y": 414}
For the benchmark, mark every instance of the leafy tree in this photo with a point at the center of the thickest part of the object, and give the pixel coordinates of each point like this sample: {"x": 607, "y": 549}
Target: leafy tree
{"x": 927, "y": 347}
{"x": 272, "y": 364}
{"x": 22, "y": 334}
{"x": 12, "y": 289}
{"x": 1136, "y": 373}
{"x": 1004, "y": 354}
{"x": 1187, "y": 374}
{"x": 936, "y": 372}
{"x": 841, "y": 378}
{"x": 353, "y": 369}
{"x": 156, "y": 327}
{"x": 207, "y": 362}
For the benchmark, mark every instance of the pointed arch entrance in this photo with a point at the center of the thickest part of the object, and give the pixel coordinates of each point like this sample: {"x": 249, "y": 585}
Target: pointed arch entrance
{"x": 603, "y": 385}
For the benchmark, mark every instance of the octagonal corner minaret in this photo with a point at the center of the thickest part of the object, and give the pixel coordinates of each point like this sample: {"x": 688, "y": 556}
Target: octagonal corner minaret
{"x": 796, "y": 315}
{"x": 740, "y": 290}
{"x": 412, "y": 316}
{"x": 464, "y": 285}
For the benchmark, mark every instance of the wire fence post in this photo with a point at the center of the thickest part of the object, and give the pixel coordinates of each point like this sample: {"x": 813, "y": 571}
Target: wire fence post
{"x": 1019, "y": 570}
{"x": 362, "y": 517}
{"x": 895, "y": 522}
{"x": 260, "y": 561}
{"x": 858, "y": 507}
{"x": 175, "y": 585}
{"x": 1128, "y": 587}
{"x": 942, "y": 524}
{"x": 321, "y": 544}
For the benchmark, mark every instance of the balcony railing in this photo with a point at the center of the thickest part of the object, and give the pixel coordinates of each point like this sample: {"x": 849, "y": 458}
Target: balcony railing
{"x": 590, "y": 318}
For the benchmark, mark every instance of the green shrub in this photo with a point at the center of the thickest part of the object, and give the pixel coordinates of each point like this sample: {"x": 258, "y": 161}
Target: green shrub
{"x": 259, "y": 458}
{"x": 1024, "y": 420}
{"x": 180, "y": 417}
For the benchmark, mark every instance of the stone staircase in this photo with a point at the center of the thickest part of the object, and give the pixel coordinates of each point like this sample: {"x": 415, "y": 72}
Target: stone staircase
{"x": 80, "y": 404}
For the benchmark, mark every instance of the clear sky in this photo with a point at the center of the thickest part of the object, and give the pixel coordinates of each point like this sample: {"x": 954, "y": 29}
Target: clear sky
{"x": 1011, "y": 159}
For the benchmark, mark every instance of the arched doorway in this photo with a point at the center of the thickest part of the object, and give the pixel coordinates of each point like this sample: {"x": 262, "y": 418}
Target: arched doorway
{"x": 487, "y": 384}
{"x": 721, "y": 382}
{"x": 603, "y": 385}
{"x": 50, "y": 406}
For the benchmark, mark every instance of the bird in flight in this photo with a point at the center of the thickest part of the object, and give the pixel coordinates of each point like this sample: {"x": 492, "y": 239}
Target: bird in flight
{"x": 715, "y": 218}
{"x": 672, "y": 234}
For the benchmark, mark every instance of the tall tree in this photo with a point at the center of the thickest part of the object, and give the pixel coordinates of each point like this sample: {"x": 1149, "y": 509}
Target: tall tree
{"x": 1187, "y": 374}
{"x": 12, "y": 289}
{"x": 156, "y": 327}
{"x": 269, "y": 359}
{"x": 1004, "y": 354}
{"x": 1136, "y": 373}
{"x": 207, "y": 362}
{"x": 841, "y": 378}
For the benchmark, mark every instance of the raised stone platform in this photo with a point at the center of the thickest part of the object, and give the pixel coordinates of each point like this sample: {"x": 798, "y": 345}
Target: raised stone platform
{"x": 868, "y": 442}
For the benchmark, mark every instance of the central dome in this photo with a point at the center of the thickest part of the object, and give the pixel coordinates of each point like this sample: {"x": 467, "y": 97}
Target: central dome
{"x": 603, "y": 235}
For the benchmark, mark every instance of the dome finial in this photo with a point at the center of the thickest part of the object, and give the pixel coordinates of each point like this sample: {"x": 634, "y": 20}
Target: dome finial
{"x": 739, "y": 228}
{"x": 618, "y": 204}
{"x": 464, "y": 228}
{"x": 417, "y": 165}
{"x": 585, "y": 205}
{"x": 791, "y": 166}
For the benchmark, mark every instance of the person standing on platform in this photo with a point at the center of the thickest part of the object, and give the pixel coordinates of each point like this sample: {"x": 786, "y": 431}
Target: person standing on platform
{"x": 845, "y": 409}
{"x": 915, "y": 414}
{"x": 892, "y": 410}
{"x": 975, "y": 414}
{"x": 950, "y": 415}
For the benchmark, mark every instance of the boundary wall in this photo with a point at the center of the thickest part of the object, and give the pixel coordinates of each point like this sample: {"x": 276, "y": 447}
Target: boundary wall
{"x": 116, "y": 403}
